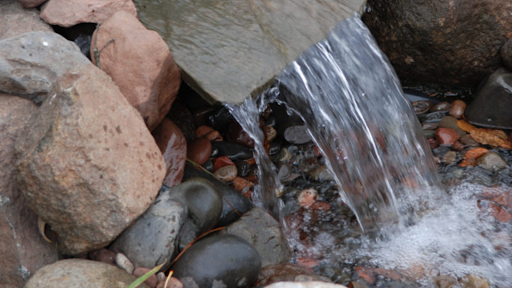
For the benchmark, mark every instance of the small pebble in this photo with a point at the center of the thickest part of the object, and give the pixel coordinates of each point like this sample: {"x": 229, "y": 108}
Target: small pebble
{"x": 429, "y": 125}
{"x": 214, "y": 136}
{"x": 227, "y": 173}
{"x": 446, "y": 136}
{"x": 491, "y": 161}
{"x": 242, "y": 185}
{"x": 203, "y": 130}
{"x": 432, "y": 142}
{"x": 441, "y": 107}
{"x": 270, "y": 133}
{"x": 421, "y": 107}
{"x": 457, "y": 146}
{"x": 307, "y": 197}
{"x": 124, "y": 263}
{"x": 221, "y": 162}
{"x": 103, "y": 255}
{"x": 449, "y": 158}
{"x": 458, "y": 108}
{"x": 199, "y": 150}
{"x": 151, "y": 281}
{"x": 469, "y": 141}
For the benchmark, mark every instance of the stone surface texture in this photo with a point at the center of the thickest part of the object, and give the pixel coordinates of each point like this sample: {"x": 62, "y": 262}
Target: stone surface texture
{"x": 243, "y": 42}
{"x": 264, "y": 233}
{"x": 151, "y": 240}
{"x": 88, "y": 170}
{"x": 173, "y": 146}
{"x": 466, "y": 36}
{"x": 22, "y": 251}
{"x": 67, "y": 13}
{"x": 31, "y": 64}
{"x": 140, "y": 63}
{"x": 31, "y": 3}
{"x": 15, "y": 20}
{"x": 80, "y": 273}
{"x": 312, "y": 284}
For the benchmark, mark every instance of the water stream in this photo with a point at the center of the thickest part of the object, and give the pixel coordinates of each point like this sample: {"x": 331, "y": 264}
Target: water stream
{"x": 351, "y": 100}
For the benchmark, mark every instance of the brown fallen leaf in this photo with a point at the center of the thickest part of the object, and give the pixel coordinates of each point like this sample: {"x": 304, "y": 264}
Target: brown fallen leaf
{"x": 472, "y": 155}
{"x": 465, "y": 126}
{"x": 491, "y": 137}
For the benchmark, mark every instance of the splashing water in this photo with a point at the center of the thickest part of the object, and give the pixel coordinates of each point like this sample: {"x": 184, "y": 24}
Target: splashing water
{"x": 351, "y": 101}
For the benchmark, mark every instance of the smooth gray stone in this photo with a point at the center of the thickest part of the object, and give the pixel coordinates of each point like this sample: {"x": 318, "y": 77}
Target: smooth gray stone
{"x": 229, "y": 50}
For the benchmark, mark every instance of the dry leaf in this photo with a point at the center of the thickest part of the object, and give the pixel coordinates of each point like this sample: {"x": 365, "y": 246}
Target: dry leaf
{"x": 472, "y": 155}
{"x": 491, "y": 137}
{"x": 465, "y": 126}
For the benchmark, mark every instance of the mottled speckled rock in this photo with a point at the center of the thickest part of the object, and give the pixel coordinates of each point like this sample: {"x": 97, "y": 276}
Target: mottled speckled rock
{"x": 88, "y": 170}
{"x": 264, "y": 233}
{"x": 218, "y": 260}
{"x": 242, "y": 42}
{"x": 15, "y": 20}
{"x": 313, "y": 284}
{"x": 79, "y": 273}
{"x": 22, "y": 250}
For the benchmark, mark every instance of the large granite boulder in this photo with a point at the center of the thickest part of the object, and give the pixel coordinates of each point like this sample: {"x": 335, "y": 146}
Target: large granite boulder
{"x": 229, "y": 50}
{"x": 15, "y": 20}
{"x": 86, "y": 162}
{"x": 23, "y": 251}
{"x": 438, "y": 41}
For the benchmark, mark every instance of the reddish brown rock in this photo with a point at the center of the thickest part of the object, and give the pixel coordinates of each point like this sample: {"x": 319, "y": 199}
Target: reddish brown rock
{"x": 236, "y": 134}
{"x": 458, "y": 108}
{"x": 140, "y": 63}
{"x": 457, "y": 146}
{"x": 221, "y": 162}
{"x": 31, "y": 3}
{"x": 172, "y": 283}
{"x": 84, "y": 165}
{"x": 226, "y": 173}
{"x": 242, "y": 185}
{"x": 103, "y": 255}
{"x": 199, "y": 150}
{"x": 173, "y": 146}
{"x": 14, "y": 20}
{"x": 446, "y": 136}
{"x": 151, "y": 281}
{"x": 22, "y": 250}
{"x": 67, "y": 13}
{"x": 465, "y": 36}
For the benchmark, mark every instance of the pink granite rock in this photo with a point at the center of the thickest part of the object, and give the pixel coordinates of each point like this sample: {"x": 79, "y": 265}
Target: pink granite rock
{"x": 15, "y": 20}
{"x": 31, "y": 3}
{"x": 67, "y": 13}
{"x": 140, "y": 63}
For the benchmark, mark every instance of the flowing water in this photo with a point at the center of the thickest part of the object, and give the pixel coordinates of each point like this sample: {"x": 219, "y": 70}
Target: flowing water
{"x": 352, "y": 103}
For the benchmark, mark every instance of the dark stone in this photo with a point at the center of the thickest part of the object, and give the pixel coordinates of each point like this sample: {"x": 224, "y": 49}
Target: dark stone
{"x": 183, "y": 118}
{"x": 451, "y": 122}
{"x": 220, "y": 118}
{"x": 417, "y": 36}
{"x": 236, "y": 134}
{"x": 234, "y": 204}
{"x": 80, "y": 34}
{"x": 493, "y": 101}
{"x": 263, "y": 232}
{"x": 217, "y": 260}
{"x": 232, "y": 150}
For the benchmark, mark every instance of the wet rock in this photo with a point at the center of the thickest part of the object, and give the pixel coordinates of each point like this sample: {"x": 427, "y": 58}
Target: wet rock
{"x": 242, "y": 185}
{"x": 451, "y": 122}
{"x": 445, "y": 281}
{"x": 263, "y": 232}
{"x": 308, "y": 284}
{"x": 124, "y": 263}
{"x": 433, "y": 117}
{"x": 30, "y": 64}
{"x": 297, "y": 135}
{"x": 234, "y": 204}
{"x": 417, "y": 36}
{"x": 236, "y": 134}
{"x": 172, "y": 144}
{"x": 421, "y": 107}
{"x": 172, "y": 283}
{"x": 287, "y": 272}
{"x": 248, "y": 45}
{"x": 226, "y": 174}
{"x": 473, "y": 281}
{"x": 23, "y": 251}
{"x": 432, "y": 142}
{"x": 506, "y": 54}
{"x": 441, "y": 107}
{"x": 103, "y": 255}
{"x": 67, "y": 13}
{"x": 429, "y": 126}
{"x": 218, "y": 260}
{"x": 458, "y": 108}
{"x": 221, "y": 162}
{"x": 203, "y": 130}
{"x": 14, "y": 20}
{"x": 449, "y": 158}
{"x": 78, "y": 156}
{"x": 140, "y": 63}
{"x": 151, "y": 239}
{"x": 232, "y": 150}
{"x": 446, "y": 136}
{"x": 429, "y": 133}
{"x": 270, "y": 133}
{"x": 469, "y": 141}
{"x": 151, "y": 281}
{"x": 490, "y": 105}
{"x": 199, "y": 150}
{"x": 79, "y": 273}
{"x": 321, "y": 173}
{"x": 182, "y": 117}
{"x": 491, "y": 161}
